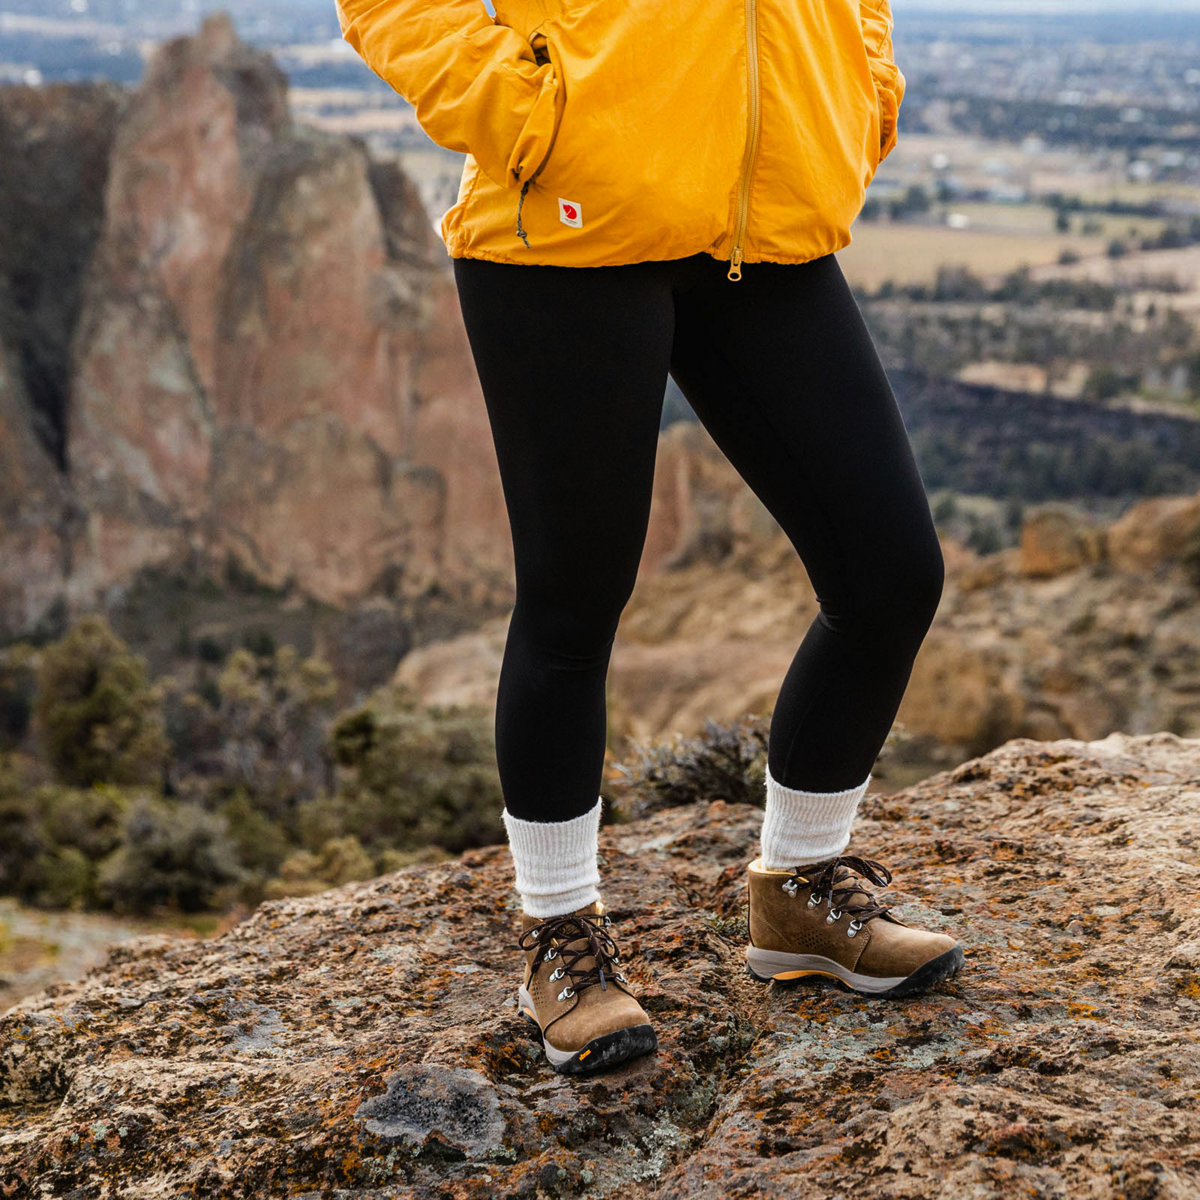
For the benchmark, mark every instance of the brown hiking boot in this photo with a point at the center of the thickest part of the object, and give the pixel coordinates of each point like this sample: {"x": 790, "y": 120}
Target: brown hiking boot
{"x": 818, "y": 920}
{"x": 577, "y": 995}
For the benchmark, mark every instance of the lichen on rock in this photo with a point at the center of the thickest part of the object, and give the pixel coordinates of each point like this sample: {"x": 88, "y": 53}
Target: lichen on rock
{"x": 365, "y": 1042}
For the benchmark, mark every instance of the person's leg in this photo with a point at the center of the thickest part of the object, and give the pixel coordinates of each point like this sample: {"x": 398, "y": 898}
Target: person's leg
{"x": 573, "y": 366}
{"x": 782, "y": 372}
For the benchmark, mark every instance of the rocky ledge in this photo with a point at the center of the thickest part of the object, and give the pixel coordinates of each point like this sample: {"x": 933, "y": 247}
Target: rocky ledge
{"x": 365, "y": 1043}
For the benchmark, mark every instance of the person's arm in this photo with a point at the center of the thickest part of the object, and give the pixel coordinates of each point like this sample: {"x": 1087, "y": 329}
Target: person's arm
{"x": 475, "y": 85}
{"x": 876, "y": 18}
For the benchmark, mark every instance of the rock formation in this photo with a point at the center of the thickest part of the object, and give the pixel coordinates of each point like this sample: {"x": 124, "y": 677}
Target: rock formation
{"x": 225, "y": 334}
{"x": 245, "y": 343}
{"x": 55, "y": 144}
{"x": 296, "y": 360}
{"x": 365, "y": 1043}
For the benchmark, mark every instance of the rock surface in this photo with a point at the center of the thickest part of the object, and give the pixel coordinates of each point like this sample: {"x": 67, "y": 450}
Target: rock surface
{"x": 364, "y": 1042}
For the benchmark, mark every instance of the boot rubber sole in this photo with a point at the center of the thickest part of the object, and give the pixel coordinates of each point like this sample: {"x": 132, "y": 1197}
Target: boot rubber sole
{"x": 607, "y": 1050}
{"x": 766, "y": 965}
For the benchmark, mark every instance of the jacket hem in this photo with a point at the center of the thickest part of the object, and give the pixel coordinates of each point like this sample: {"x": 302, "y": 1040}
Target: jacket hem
{"x": 458, "y": 251}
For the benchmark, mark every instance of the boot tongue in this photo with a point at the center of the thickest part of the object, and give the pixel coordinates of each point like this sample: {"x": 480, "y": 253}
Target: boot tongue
{"x": 595, "y": 909}
{"x": 841, "y": 877}
{"x": 845, "y": 876}
{"x": 576, "y": 940}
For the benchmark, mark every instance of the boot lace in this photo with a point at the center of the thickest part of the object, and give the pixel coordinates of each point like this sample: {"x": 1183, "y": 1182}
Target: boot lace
{"x": 826, "y": 882}
{"x": 574, "y": 937}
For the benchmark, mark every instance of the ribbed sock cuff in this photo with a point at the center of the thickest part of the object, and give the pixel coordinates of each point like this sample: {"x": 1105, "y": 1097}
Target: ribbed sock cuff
{"x": 555, "y": 862}
{"x": 800, "y": 828}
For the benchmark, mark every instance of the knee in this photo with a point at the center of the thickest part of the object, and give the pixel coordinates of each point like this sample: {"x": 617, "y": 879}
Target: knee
{"x": 569, "y": 632}
{"x": 909, "y": 590}
{"x": 897, "y": 597}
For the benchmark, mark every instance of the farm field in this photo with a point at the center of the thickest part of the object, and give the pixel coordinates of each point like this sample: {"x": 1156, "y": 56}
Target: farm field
{"x": 907, "y": 253}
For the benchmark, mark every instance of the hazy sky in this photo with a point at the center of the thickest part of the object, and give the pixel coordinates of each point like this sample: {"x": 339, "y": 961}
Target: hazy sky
{"x": 983, "y": 7}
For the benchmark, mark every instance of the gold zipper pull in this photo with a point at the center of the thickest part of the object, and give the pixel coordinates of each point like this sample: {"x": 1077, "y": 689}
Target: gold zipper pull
{"x": 735, "y": 264}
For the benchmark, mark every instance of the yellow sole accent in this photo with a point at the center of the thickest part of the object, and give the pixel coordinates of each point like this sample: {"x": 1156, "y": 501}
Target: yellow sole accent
{"x": 801, "y": 974}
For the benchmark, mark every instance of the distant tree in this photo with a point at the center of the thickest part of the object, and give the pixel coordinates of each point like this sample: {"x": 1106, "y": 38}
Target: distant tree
{"x": 96, "y": 715}
{"x": 984, "y": 537}
{"x": 1104, "y": 383}
{"x": 260, "y": 725}
{"x": 1014, "y": 514}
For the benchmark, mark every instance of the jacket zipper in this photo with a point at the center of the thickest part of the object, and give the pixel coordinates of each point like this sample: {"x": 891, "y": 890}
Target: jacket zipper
{"x": 743, "y": 209}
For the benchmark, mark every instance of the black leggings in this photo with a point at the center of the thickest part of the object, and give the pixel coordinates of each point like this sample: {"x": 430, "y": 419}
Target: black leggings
{"x": 782, "y": 372}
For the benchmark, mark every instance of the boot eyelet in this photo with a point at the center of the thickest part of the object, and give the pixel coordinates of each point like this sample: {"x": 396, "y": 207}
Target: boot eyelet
{"x": 557, "y": 973}
{"x": 853, "y": 928}
{"x": 566, "y": 993}
{"x": 834, "y": 915}
{"x": 791, "y": 887}
{"x": 551, "y": 953}
{"x": 813, "y": 900}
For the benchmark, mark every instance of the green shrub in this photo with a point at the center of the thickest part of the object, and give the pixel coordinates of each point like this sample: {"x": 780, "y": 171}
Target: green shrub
{"x": 261, "y": 844}
{"x": 96, "y": 715}
{"x": 18, "y": 685}
{"x": 260, "y": 726}
{"x": 66, "y": 878}
{"x": 341, "y": 860}
{"x": 52, "y": 839}
{"x": 173, "y": 856}
{"x": 410, "y": 777}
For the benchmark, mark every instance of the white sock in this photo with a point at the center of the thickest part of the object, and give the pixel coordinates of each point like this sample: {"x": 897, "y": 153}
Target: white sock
{"x": 555, "y": 861}
{"x": 801, "y": 828}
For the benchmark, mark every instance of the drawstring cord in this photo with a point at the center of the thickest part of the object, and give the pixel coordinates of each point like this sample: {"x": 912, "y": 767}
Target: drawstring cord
{"x": 520, "y": 229}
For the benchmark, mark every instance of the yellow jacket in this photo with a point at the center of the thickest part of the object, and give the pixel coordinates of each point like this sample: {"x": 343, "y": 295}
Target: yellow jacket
{"x": 613, "y": 131}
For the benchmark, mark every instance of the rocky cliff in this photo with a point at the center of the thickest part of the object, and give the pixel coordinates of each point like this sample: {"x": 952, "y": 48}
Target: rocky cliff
{"x": 252, "y": 349}
{"x": 227, "y": 335}
{"x": 364, "y": 1042}
{"x": 55, "y": 144}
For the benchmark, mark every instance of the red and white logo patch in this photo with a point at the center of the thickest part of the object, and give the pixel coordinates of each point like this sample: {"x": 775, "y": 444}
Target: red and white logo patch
{"x": 569, "y": 213}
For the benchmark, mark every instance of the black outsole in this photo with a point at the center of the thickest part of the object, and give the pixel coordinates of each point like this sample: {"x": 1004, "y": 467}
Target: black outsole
{"x": 924, "y": 977}
{"x": 608, "y": 1050}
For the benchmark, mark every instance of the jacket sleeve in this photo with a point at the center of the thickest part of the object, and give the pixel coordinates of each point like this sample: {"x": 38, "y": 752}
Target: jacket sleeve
{"x": 475, "y": 85}
{"x": 876, "y": 16}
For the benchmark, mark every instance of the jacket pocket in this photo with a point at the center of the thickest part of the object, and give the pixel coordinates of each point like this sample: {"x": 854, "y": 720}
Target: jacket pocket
{"x": 545, "y": 51}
